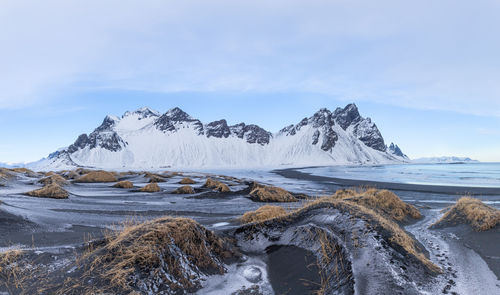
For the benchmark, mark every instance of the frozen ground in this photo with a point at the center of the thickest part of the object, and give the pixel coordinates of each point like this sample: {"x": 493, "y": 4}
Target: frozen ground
{"x": 48, "y": 225}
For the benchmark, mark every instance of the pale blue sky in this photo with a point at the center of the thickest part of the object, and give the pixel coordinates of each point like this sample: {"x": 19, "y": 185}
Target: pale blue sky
{"x": 427, "y": 72}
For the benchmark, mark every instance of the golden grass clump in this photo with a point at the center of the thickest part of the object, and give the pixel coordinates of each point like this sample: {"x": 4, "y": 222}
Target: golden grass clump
{"x": 185, "y": 189}
{"x": 382, "y": 201}
{"x": 263, "y": 193}
{"x": 70, "y": 174}
{"x": 5, "y": 173}
{"x": 470, "y": 211}
{"x": 54, "y": 178}
{"x": 12, "y": 274}
{"x": 265, "y": 212}
{"x": 154, "y": 177}
{"x": 216, "y": 185}
{"x": 150, "y": 188}
{"x": 187, "y": 180}
{"x": 97, "y": 176}
{"x": 168, "y": 252}
{"x": 52, "y": 190}
{"x": 124, "y": 184}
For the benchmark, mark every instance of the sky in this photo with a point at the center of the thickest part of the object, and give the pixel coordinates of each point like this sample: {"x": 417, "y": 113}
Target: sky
{"x": 427, "y": 72}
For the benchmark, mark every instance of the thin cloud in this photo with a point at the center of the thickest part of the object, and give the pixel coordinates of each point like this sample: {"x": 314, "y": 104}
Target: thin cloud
{"x": 419, "y": 55}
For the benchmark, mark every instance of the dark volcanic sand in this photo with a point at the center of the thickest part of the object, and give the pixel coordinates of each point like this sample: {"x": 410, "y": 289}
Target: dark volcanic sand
{"x": 292, "y": 270}
{"x": 451, "y": 190}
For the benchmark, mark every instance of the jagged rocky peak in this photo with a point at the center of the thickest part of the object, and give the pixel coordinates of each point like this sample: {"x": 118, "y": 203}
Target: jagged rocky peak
{"x": 366, "y": 131}
{"x": 217, "y": 129}
{"x": 347, "y": 116}
{"x": 107, "y": 124}
{"x": 175, "y": 116}
{"x": 251, "y": 133}
{"x": 323, "y": 121}
{"x": 395, "y": 150}
{"x": 143, "y": 112}
{"x": 323, "y": 117}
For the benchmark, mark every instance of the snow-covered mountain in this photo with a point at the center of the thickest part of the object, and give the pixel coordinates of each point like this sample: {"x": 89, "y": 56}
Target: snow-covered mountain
{"x": 444, "y": 160}
{"x": 147, "y": 139}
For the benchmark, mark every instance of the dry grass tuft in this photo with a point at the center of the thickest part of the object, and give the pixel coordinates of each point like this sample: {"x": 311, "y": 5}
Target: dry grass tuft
{"x": 24, "y": 171}
{"x": 470, "y": 211}
{"x": 150, "y": 188}
{"x": 185, "y": 189}
{"x": 97, "y": 176}
{"x": 5, "y": 173}
{"x": 187, "y": 180}
{"x": 52, "y": 190}
{"x": 262, "y": 193}
{"x": 13, "y": 276}
{"x": 154, "y": 177}
{"x": 216, "y": 185}
{"x": 382, "y": 201}
{"x": 165, "y": 255}
{"x": 124, "y": 184}
{"x": 71, "y": 174}
{"x": 266, "y": 212}
{"x": 57, "y": 179}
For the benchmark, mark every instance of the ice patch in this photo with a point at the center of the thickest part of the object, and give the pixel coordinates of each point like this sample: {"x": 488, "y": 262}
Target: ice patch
{"x": 219, "y": 224}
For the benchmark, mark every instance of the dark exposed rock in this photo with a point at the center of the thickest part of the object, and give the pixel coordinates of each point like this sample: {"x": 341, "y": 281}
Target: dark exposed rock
{"x": 368, "y": 133}
{"x": 109, "y": 140}
{"x": 217, "y": 129}
{"x": 80, "y": 143}
{"x": 347, "y": 116}
{"x": 316, "y": 137}
{"x": 395, "y": 150}
{"x": 106, "y": 125}
{"x": 324, "y": 121}
{"x": 174, "y": 117}
{"x": 142, "y": 113}
{"x": 329, "y": 139}
{"x": 252, "y": 133}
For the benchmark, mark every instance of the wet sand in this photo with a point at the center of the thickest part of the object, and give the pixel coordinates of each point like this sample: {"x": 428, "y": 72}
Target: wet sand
{"x": 450, "y": 190}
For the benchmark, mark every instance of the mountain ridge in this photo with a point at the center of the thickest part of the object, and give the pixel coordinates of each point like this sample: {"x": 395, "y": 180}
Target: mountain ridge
{"x": 145, "y": 138}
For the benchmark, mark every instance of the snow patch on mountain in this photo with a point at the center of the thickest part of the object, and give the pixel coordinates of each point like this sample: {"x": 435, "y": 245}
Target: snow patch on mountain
{"x": 147, "y": 139}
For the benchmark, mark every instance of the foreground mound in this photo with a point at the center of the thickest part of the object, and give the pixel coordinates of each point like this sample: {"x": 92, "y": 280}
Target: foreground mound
{"x": 383, "y": 202}
{"x": 185, "y": 189}
{"x": 54, "y": 178}
{"x": 150, "y": 188}
{"x": 263, "y": 193}
{"x": 163, "y": 256}
{"x": 52, "y": 190}
{"x": 351, "y": 244}
{"x": 470, "y": 211}
{"x": 97, "y": 176}
{"x": 263, "y": 213}
{"x": 216, "y": 185}
{"x": 124, "y": 184}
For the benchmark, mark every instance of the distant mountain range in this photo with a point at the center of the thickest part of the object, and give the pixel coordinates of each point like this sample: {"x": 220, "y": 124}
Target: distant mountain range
{"x": 444, "y": 160}
{"x": 148, "y": 139}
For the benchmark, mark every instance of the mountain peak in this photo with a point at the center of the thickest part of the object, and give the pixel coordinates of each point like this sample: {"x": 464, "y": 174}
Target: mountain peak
{"x": 347, "y": 116}
{"x": 143, "y": 112}
{"x": 395, "y": 150}
{"x": 177, "y": 114}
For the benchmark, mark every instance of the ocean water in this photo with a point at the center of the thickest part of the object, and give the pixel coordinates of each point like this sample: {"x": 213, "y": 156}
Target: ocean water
{"x": 467, "y": 174}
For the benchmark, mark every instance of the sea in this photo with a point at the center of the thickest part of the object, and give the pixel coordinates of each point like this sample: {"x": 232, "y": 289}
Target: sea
{"x": 450, "y": 174}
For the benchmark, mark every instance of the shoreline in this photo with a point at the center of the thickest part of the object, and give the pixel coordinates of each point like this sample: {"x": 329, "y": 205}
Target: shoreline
{"x": 293, "y": 173}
